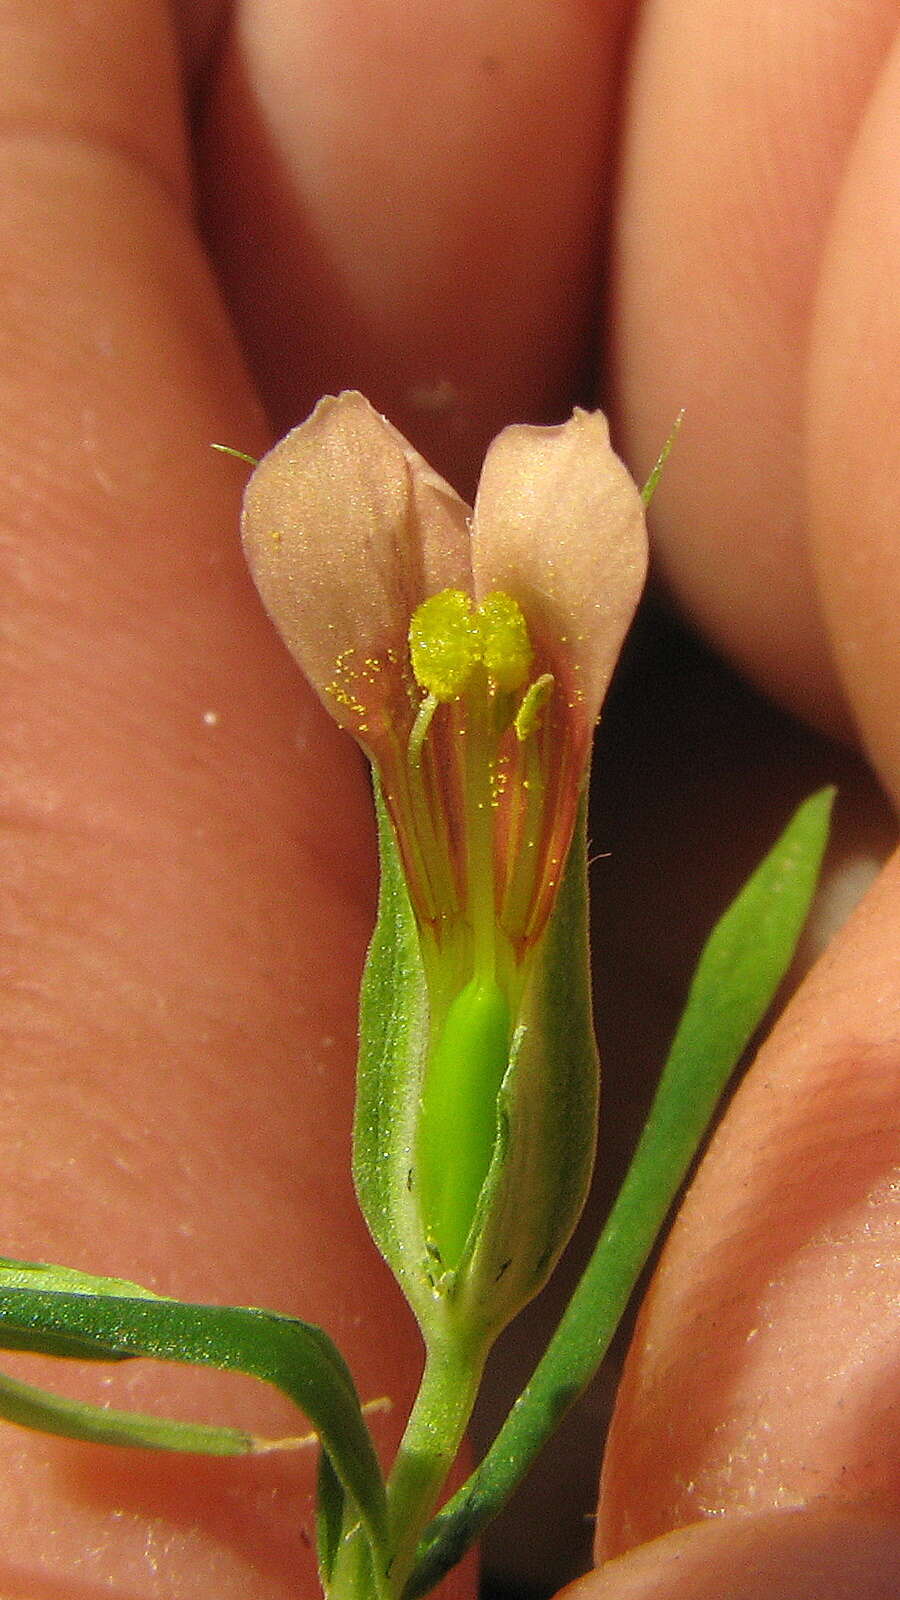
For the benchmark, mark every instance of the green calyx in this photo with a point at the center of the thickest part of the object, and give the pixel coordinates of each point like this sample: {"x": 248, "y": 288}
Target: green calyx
{"x": 476, "y": 1108}
{"x": 480, "y": 657}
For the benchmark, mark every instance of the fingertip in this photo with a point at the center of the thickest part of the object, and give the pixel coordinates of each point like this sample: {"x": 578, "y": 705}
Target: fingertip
{"x": 764, "y": 1363}
{"x": 789, "y": 1555}
{"x": 853, "y": 428}
{"x": 739, "y": 120}
{"x": 425, "y": 181}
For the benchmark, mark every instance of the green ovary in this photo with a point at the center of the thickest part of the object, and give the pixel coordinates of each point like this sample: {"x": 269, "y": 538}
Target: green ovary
{"x": 458, "y": 1124}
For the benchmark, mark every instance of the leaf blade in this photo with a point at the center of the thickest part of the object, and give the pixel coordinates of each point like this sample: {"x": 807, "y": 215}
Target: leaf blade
{"x": 296, "y": 1357}
{"x": 330, "y": 1504}
{"x": 33, "y": 1408}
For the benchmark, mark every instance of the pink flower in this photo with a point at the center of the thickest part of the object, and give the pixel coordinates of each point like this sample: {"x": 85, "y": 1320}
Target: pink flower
{"x": 467, "y": 652}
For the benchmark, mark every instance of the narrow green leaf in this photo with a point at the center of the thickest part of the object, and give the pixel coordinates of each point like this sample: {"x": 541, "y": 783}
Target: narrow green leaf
{"x": 294, "y": 1356}
{"x": 330, "y": 1504}
{"x": 32, "y": 1275}
{"x": 739, "y": 972}
{"x": 29, "y": 1407}
{"x": 44, "y": 1275}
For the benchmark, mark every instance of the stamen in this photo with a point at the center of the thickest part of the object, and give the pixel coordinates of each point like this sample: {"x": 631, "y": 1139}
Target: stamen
{"x": 480, "y": 813}
{"x": 505, "y": 645}
{"x": 473, "y": 663}
{"x": 524, "y": 842}
{"x": 432, "y": 834}
{"x": 529, "y": 713}
{"x": 444, "y": 643}
{"x": 424, "y": 718}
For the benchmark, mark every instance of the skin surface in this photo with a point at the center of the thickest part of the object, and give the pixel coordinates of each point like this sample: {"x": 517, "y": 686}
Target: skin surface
{"x": 477, "y": 213}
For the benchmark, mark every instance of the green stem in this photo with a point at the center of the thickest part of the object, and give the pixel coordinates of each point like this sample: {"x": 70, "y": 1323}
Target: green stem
{"x": 428, "y": 1450}
{"x": 357, "y": 1573}
{"x": 567, "y": 1366}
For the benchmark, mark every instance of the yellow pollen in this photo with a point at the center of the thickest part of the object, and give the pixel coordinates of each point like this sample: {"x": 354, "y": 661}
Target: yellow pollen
{"x": 341, "y": 688}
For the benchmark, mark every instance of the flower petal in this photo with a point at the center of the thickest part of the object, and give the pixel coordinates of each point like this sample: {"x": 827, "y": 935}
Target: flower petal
{"x": 345, "y": 530}
{"x": 559, "y": 525}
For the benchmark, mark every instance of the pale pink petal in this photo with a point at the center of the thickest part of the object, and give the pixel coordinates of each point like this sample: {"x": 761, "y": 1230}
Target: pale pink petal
{"x": 345, "y": 530}
{"x": 559, "y": 525}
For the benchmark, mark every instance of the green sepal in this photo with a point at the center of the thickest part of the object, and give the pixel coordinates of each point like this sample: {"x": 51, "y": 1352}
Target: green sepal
{"x": 56, "y": 1311}
{"x": 546, "y": 1112}
{"x": 546, "y": 1120}
{"x": 393, "y": 1042}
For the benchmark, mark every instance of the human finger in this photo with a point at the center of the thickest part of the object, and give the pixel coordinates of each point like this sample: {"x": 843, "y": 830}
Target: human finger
{"x": 406, "y": 199}
{"x": 853, "y": 428}
{"x": 186, "y": 904}
{"x": 782, "y": 1555}
{"x": 739, "y": 122}
{"x": 763, "y": 1368}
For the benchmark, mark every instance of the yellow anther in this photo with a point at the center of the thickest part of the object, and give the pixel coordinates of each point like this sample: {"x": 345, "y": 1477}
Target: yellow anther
{"x": 444, "y": 643}
{"x": 449, "y": 637}
{"x": 505, "y": 646}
